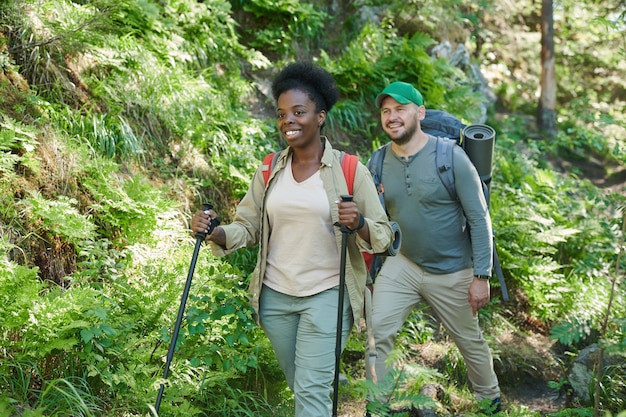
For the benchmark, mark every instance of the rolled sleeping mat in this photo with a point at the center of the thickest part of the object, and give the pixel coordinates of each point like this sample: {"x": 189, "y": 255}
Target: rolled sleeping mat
{"x": 479, "y": 141}
{"x": 394, "y": 248}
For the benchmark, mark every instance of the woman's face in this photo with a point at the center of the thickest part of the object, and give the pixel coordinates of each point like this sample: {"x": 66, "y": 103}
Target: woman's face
{"x": 298, "y": 119}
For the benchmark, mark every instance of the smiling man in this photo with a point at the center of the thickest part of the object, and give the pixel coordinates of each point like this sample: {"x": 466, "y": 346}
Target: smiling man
{"x": 440, "y": 262}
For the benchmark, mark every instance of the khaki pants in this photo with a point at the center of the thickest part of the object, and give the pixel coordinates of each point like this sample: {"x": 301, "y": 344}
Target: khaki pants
{"x": 400, "y": 286}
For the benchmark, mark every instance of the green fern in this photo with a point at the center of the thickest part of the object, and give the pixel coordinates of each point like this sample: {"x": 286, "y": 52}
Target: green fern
{"x": 17, "y": 145}
{"x": 60, "y": 217}
{"x": 19, "y": 287}
{"x": 570, "y": 332}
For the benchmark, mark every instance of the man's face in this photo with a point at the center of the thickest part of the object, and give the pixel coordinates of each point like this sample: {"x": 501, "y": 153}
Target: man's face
{"x": 400, "y": 121}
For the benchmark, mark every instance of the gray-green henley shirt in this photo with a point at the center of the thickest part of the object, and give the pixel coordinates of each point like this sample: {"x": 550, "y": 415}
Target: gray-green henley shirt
{"x": 434, "y": 232}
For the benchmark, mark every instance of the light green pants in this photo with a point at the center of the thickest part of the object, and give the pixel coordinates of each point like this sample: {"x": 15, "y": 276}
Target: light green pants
{"x": 400, "y": 286}
{"x": 303, "y": 333}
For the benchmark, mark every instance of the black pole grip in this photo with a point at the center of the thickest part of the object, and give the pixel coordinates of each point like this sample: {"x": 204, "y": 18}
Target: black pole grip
{"x": 214, "y": 222}
{"x": 344, "y": 229}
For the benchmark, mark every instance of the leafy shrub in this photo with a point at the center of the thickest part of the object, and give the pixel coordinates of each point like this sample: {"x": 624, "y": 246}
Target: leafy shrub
{"x": 124, "y": 208}
{"x": 282, "y": 25}
{"x": 17, "y": 145}
{"x": 60, "y": 217}
{"x": 19, "y": 290}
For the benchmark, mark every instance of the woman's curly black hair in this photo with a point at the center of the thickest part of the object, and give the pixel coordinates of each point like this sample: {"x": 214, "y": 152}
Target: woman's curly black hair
{"x": 310, "y": 78}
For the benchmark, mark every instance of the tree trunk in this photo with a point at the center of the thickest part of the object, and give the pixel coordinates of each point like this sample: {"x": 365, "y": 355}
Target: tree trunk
{"x": 546, "y": 115}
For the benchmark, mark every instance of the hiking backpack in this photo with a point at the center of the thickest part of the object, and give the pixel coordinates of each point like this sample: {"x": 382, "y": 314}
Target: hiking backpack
{"x": 450, "y": 132}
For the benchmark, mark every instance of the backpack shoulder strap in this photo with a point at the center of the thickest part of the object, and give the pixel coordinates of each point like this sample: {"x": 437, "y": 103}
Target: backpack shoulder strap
{"x": 445, "y": 169}
{"x": 348, "y": 165}
{"x": 445, "y": 164}
{"x": 268, "y": 165}
{"x": 375, "y": 165}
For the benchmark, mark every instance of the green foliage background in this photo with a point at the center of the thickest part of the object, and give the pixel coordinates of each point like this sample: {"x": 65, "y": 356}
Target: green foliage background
{"x": 118, "y": 118}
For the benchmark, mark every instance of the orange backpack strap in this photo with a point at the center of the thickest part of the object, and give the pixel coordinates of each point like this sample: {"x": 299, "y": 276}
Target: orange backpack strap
{"x": 348, "y": 165}
{"x": 268, "y": 165}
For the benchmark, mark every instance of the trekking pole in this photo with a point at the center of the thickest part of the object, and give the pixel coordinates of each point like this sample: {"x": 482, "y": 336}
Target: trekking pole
{"x": 342, "y": 283}
{"x": 181, "y": 310}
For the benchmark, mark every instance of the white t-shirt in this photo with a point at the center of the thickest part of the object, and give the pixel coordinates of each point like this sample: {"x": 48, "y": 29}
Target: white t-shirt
{"x": 303, "y": 258}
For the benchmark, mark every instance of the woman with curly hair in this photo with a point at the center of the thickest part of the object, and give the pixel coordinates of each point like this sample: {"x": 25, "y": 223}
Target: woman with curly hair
{"x": 295, "y": 285}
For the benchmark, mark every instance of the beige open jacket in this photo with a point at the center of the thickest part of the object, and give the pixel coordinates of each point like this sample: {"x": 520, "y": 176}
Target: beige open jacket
{"x": 251, "y": 226}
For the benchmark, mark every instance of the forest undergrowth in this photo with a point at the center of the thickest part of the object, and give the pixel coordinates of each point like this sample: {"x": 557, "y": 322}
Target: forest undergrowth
{"x": 119, "y": 118}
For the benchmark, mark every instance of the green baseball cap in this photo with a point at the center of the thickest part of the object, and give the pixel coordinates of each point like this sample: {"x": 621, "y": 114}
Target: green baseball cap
{"x": 403, "y": 93}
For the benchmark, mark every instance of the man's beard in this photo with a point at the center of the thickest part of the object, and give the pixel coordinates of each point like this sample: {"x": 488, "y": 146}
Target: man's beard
{"x": 405, "y": 137}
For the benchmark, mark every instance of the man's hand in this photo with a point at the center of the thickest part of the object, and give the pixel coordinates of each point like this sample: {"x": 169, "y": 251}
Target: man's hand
{"x": 479, "y": 294}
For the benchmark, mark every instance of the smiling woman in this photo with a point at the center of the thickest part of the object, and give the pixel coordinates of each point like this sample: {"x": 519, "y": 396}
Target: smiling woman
{"x": 300, "y": 122}
{"x": 295, "y": 287}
